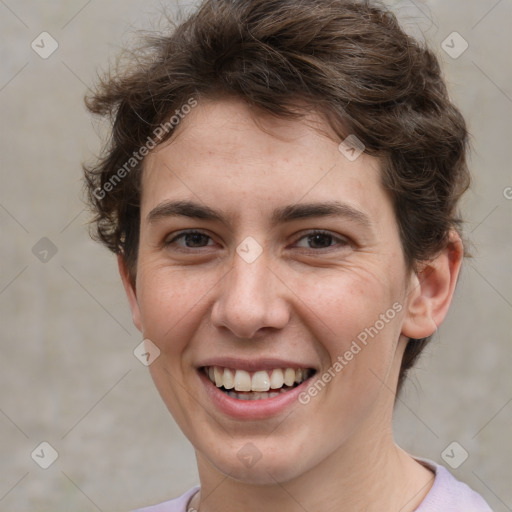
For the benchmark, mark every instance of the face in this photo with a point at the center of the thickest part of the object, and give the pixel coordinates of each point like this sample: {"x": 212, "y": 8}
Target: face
{"x": 270, "y": 263}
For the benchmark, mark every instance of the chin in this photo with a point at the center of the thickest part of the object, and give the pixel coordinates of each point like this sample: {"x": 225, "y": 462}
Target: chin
{"x": 248, "y": 464}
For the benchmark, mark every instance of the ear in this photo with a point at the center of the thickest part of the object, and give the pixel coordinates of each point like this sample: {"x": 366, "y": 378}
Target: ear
{"x": 432, "y": 289}
{"x": 129, "y": 288}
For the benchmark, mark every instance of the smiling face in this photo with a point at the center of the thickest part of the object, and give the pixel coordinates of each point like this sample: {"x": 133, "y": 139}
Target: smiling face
{"x": 264, "y": 256}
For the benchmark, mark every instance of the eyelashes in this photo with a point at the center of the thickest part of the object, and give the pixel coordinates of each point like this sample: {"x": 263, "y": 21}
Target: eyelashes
{"x": 313, "y": 240}
{"x": 318, "y": 237}
{"x": 193, "y": 236}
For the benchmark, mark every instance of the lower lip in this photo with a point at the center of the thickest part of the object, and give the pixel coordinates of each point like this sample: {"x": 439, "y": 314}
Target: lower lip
{"x": 251, "y": 409}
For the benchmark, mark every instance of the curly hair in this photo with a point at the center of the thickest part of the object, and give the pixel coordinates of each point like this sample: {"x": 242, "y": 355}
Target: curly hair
{"x": 348, "y": 60}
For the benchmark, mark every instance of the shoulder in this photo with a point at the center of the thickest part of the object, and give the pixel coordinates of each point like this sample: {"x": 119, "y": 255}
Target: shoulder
{"x": 176, "y": 505}
{"x": 450, "y": 495}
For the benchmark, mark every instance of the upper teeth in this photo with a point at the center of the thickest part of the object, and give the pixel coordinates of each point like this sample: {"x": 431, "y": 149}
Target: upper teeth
{"x": 261, "y": 381}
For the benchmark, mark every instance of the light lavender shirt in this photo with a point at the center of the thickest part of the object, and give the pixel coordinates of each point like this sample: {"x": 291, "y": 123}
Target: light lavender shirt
{"x": 446, "y": 495}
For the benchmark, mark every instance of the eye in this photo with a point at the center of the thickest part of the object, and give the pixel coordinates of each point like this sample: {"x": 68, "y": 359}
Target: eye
{"x": 190, "y": 240}
{"x": 320, "y": 240}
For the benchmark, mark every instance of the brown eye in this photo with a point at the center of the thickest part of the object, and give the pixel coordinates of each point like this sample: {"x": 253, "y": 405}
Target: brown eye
{"x": 320, "y": 240}
{"x": 191, "y": 240}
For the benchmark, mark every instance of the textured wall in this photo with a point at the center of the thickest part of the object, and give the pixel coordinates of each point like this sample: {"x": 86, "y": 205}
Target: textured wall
{"x": 67, "y": 372}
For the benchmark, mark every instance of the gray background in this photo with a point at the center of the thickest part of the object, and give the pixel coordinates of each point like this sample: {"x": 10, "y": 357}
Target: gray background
{"x": 68, "y": 375}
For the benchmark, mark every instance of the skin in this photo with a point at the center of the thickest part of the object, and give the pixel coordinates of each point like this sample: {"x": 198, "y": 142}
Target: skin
{"x": 303, "y": 299}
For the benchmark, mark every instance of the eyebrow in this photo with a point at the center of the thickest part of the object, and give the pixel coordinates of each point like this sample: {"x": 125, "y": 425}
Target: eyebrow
{"x": 286, "y": 214}
{"x": 183, "y": 209}
{"x": 329, "y": 209}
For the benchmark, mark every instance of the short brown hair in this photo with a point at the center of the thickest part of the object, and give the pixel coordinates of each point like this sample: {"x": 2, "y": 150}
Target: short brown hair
{"x": 347, "y": 60}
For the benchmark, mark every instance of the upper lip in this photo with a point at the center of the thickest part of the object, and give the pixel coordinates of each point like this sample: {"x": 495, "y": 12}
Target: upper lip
{"x": 252, "y": 365}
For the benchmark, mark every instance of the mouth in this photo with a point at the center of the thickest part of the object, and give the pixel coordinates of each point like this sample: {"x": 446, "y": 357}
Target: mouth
{"x": 256, "y": 385}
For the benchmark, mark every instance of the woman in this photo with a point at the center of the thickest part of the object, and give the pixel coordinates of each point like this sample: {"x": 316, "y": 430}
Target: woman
{"x": 281, "y": 190}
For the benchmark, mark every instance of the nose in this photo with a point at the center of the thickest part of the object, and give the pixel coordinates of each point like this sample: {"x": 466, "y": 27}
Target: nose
{"x": 251, "y": 300}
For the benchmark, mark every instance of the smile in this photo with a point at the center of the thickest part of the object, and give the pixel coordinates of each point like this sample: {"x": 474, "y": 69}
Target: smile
{"x": 257, "y": 385}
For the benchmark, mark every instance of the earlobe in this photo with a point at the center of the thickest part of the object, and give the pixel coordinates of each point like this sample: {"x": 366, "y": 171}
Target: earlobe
{"x": 432, "y": 289}
{"x": 129, "y": 288}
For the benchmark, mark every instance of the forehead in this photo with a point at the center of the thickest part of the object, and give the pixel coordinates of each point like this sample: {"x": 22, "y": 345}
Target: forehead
{"x": 226, "y": 154}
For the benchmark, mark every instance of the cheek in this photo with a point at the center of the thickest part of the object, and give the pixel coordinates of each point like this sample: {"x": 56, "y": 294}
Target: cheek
{"x": 172, "y": 303}
{"x": 347, "y": 302}
{"x": 356, "y": 317}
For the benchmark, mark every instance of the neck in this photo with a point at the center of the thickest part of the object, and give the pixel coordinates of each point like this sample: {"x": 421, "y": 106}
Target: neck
{"x": 359, "y": 475}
